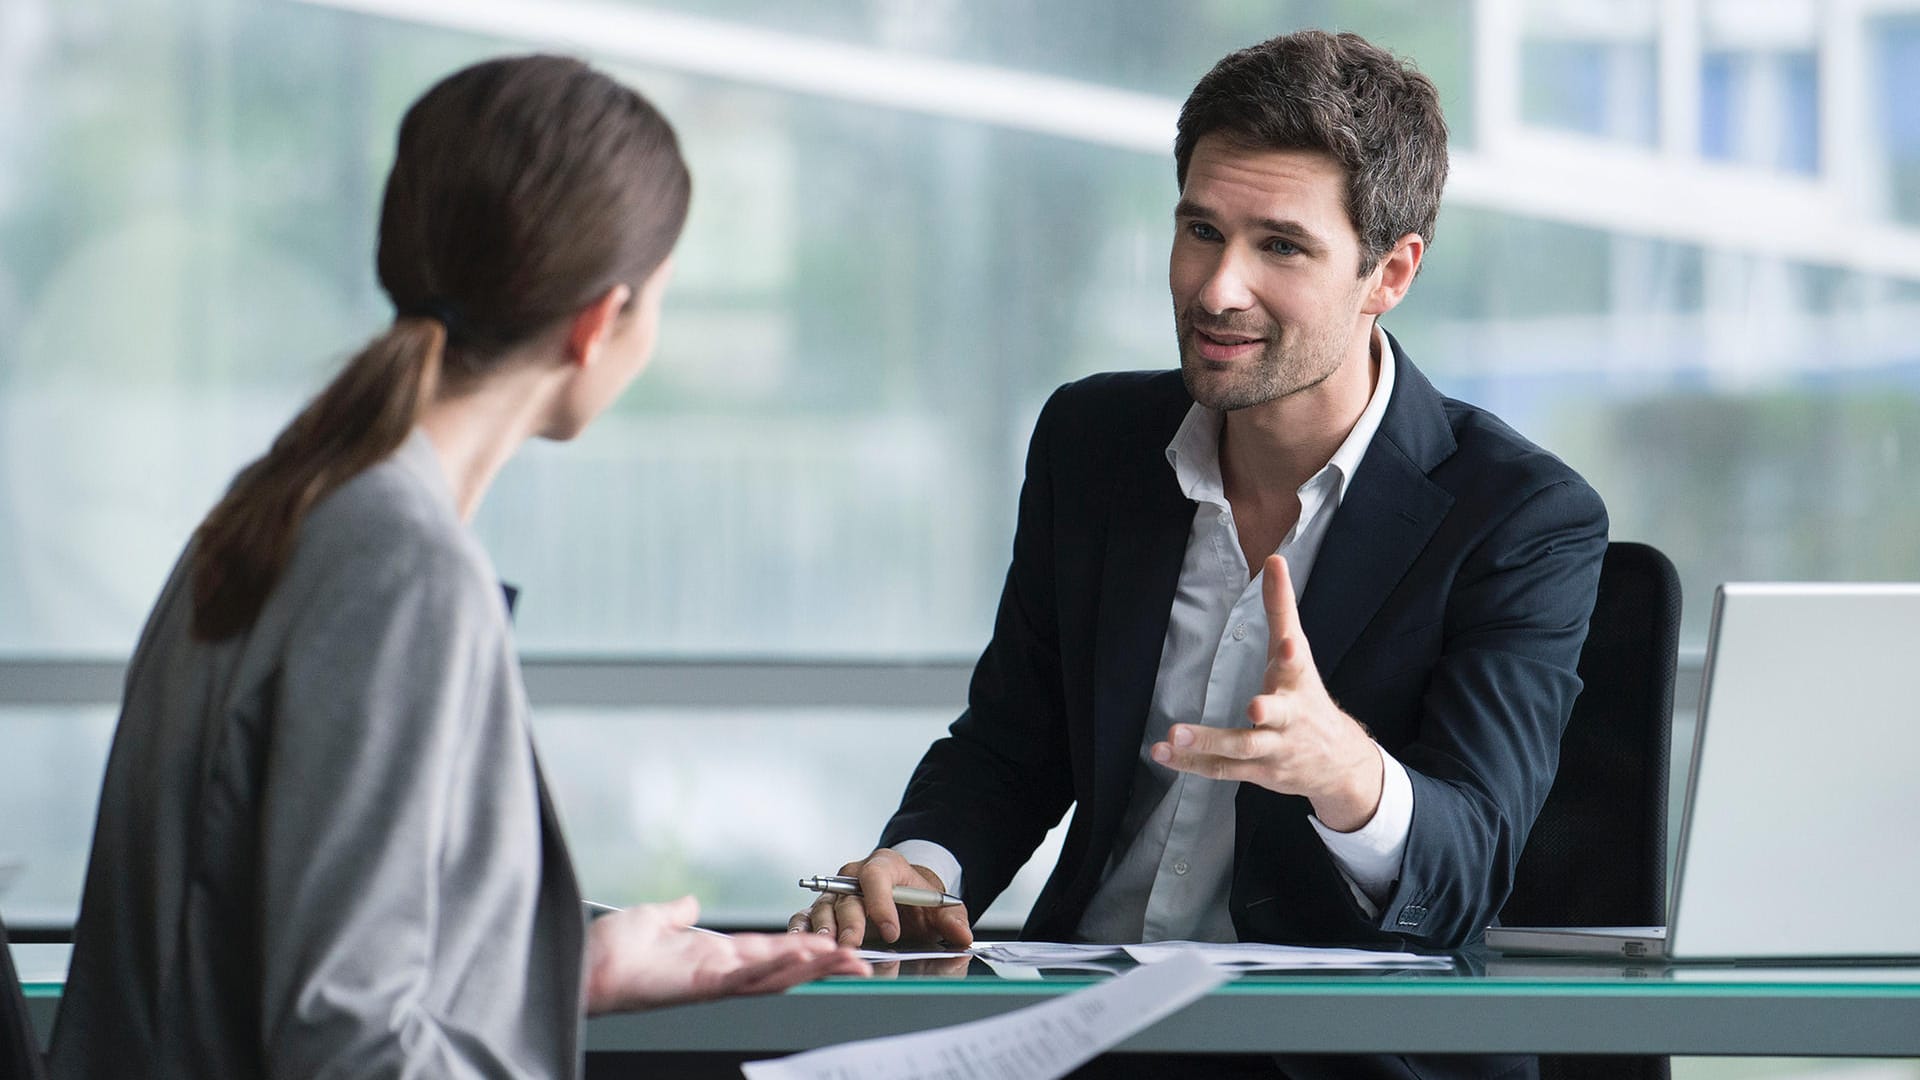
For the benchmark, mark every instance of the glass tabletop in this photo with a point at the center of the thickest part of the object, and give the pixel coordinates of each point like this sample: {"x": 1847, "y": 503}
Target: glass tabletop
{"x": 1474, "y": 971}
{"x": 42, "y": 970}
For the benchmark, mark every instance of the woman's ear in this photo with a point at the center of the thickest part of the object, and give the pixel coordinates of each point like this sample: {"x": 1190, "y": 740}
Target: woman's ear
{"x": 591, "y": 325}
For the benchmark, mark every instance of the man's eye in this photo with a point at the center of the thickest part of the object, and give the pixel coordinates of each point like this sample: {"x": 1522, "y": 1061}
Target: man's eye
{"x": 1283, "y": 247}
{"x": 1200, "y": 230}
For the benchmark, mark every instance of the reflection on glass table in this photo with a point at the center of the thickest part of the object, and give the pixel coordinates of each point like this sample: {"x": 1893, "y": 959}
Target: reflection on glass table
{"x": 1483, "y": 1004}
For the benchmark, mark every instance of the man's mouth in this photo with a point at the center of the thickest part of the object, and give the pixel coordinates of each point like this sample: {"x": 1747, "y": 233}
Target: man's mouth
{"x": 1224, "y": 346}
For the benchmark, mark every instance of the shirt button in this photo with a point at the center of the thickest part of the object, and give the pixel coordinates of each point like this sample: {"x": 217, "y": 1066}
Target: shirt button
{"x": 1180, "y": 868}
{"x": 1240, "y": 631}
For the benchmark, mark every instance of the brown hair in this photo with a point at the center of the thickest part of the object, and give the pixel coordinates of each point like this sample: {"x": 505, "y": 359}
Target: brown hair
{"x": 1342, "y": 96}
{"x": 522, "y": 189}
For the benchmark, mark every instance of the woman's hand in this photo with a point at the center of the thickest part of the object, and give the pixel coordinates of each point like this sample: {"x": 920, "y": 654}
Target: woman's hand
{"x": 647, "y": 956}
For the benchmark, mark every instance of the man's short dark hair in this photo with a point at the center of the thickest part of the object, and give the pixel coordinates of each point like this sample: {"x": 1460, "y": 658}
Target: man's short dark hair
{"x": 1342, "y": 96}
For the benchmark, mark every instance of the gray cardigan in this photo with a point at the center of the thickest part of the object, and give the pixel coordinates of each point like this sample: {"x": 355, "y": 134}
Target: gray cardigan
{"x": 324, "y": 847}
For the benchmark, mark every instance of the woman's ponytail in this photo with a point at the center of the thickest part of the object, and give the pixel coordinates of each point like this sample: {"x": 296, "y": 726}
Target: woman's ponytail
{"x": 362, "y": 416}
{"x": 522, "y": 189}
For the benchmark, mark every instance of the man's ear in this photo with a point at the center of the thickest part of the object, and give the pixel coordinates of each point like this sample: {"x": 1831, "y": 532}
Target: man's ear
{"x": 1394, "y": 275}
{"x": 592, "y": 324}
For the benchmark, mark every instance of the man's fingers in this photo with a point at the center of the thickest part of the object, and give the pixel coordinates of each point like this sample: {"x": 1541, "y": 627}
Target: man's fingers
{"x": 850, "y": 921}
{"x": 951, "y": 926}
{"x": 1197, "y": 740}
{"x": 1218, "y": 753}
{"x": 820, "y": 919}
{"x": 877, "y": 879}
{"x": 1283, "y": 616}
{"x": 1287, "y": 654}
{"x": 1286, "y": 664}
{"x": 1215, "y": 767}
{"x": 1271, "y": 712}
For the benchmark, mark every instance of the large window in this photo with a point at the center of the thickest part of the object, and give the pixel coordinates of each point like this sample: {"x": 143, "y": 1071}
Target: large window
{"x": 1681, "y": 248}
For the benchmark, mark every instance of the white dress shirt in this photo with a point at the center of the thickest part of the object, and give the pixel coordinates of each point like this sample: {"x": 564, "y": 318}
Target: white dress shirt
{"x": 1172, "y": 866}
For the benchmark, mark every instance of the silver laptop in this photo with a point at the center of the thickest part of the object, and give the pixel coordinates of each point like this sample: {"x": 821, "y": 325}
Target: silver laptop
{"x": 1796, "y": 841}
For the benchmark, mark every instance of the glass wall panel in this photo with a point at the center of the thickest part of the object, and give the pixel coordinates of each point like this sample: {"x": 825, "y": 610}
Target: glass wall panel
{"x": 872, "y": 301}
{"x": 1896, "y": 86}
{"x": 732, "y": 805}
{"x": 51, "y": 760}
{"x": 1761, "y": 109}
{"x": 1591, "y": 68}
{"x": 736, "y": 805}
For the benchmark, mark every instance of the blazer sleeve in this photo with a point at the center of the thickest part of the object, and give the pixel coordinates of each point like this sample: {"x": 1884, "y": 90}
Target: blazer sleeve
{"x": 989, "y": 791}
{"x": 1495, "y": 705}
{"x": 383, "y": 682}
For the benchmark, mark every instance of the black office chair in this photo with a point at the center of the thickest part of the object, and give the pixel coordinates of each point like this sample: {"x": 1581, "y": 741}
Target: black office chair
{"x": 19, "y": 1046}
{"x": 1597, "y": 856}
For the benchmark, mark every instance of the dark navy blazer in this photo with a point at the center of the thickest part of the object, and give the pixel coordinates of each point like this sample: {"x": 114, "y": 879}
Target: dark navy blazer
{"x": 1446, "y": 612}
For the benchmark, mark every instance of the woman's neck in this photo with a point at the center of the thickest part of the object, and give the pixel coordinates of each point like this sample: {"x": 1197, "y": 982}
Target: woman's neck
{"x": 475, "y": 432}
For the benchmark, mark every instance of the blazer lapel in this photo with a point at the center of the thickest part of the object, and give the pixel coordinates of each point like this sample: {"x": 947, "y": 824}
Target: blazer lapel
{"x": 1148, "y": 521}
{"x": 1389, "y": 513}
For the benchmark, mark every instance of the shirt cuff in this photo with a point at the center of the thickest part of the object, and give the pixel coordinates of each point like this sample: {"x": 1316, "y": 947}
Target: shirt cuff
{"x": 1369, "y": 857}
{"x": 935, "y": 858}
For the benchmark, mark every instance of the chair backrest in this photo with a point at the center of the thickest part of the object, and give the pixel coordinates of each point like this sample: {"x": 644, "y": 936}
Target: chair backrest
{"x": 19, "y": 1045}
{"x": 1597, "y": 855}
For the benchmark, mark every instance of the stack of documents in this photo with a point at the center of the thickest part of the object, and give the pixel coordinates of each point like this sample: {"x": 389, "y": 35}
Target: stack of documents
{"x": 1231, "y": 956}
{"x": 1250, "y": 956}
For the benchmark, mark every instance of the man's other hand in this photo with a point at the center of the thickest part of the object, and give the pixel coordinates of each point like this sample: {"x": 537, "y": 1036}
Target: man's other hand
{"x": 874, "y": 919}
{"x": 1301, "y": 743}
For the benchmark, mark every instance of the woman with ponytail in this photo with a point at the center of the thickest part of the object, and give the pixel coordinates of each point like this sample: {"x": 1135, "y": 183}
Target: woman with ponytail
{"x": 324, "y": 845}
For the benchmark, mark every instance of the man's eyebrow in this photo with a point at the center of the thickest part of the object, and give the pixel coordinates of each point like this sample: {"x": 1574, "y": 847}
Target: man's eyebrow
{"x": 1187, "y": 208}
{"x": 1291, "y": 229}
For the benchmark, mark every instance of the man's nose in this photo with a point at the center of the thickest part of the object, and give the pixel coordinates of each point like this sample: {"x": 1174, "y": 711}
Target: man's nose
{"x": 1226, "y": 288}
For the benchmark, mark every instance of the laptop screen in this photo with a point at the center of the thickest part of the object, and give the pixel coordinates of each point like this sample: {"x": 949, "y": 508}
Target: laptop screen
{"x": 1805, "y": 778}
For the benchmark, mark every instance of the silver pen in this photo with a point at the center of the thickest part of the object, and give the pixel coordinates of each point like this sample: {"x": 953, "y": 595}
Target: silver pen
{"x": 902, "y": 894}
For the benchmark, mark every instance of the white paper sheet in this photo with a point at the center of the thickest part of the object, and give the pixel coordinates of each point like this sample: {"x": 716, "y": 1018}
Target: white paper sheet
{"x": 1039, "y": 1042}
{"x": 1241, "y": 956}
{"x": 1035, "y": 972}
{"x": 1247, "y": 956}
{"x": 1043, "y": 953}
{"x": 877, "y": 956}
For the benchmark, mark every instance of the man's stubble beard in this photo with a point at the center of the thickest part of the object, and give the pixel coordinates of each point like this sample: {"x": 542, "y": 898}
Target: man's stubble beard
{"x": 1279, "y": 370}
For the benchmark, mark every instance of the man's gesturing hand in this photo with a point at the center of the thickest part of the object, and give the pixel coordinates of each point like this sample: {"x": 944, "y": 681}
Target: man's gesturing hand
{"x": 1300, "y": 743}
{"x": 873, "y": 917}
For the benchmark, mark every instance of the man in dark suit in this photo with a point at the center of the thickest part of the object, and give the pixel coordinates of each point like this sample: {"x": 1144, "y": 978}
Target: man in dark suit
{"x": 1293, "y": 634}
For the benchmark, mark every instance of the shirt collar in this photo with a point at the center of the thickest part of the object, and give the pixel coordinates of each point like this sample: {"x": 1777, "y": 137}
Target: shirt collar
{"x": 1347, "y": 458}
{"x": 1194, "y": 452}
